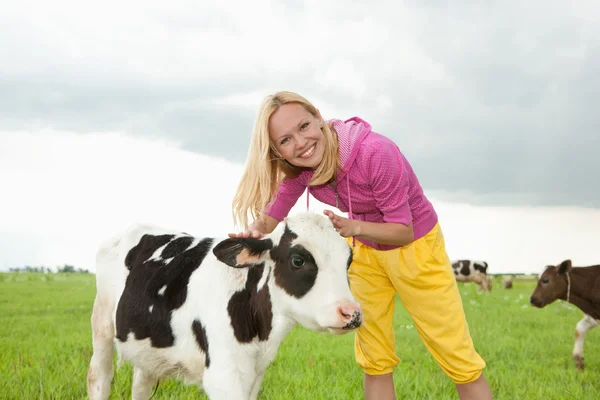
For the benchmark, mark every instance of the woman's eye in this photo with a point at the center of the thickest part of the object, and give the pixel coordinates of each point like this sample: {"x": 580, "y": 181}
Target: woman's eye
{"x": 297, "y": 262}
{"x": 304, "y": 125}
{"x": 284, "y": 141}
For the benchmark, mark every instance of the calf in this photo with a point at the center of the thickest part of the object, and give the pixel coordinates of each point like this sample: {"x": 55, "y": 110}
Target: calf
{"x": 579, "y": 286}
{"x": 473, "y": 271}
{"x": 213, "y": 312}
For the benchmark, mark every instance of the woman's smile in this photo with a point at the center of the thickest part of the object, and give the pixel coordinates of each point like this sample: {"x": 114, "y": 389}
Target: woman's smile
{"x": 308, "y": 153}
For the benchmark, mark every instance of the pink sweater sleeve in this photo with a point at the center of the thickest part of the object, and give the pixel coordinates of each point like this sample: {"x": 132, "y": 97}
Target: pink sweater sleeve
{"x": 389, "y": 182}
{"x": 289, "y": 192}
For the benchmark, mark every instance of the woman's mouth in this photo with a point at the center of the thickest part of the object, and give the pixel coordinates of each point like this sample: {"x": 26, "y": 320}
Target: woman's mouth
{"x": 309, "y": 152}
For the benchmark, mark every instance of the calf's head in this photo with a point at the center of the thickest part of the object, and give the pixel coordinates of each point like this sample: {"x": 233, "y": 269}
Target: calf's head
{"x": 552, "y": 285}
{"x": 307, "y": 264}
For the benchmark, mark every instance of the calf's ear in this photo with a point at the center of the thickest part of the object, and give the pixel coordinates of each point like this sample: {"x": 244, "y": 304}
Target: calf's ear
{"x": 564, "y": 267}
{"x": 243, "y": 252}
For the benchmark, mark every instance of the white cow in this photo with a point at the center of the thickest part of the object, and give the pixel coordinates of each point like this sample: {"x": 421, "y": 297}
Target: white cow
{"x": 213, "y": 312}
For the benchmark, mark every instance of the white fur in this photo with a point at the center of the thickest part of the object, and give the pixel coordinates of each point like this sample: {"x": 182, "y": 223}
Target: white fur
{"x": 583, "y": 326}
{"x": 236, "y": 369}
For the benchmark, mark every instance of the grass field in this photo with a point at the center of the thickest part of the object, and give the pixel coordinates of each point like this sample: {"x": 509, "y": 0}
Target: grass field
{"x": 45, "y": 347}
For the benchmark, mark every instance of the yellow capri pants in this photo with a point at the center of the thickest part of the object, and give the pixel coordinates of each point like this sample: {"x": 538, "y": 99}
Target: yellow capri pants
{"x": 422, "y": 276}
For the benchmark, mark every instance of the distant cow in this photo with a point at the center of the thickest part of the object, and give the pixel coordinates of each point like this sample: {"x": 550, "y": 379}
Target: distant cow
{"x": 213, "y": 312}
{"x": 473, "y": 271}
{"x": 507, "y": 282}
{"x": 579, "y": 286}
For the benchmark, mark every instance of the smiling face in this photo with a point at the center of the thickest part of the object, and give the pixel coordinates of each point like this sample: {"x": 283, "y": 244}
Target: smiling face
{"x": 296, "y": 134}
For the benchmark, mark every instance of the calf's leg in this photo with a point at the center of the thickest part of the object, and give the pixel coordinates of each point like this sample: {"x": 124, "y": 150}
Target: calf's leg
{"x": 581, "y": 329}
{"x": 487, "y": 284}
{"x": 101, "y": 370}
{"x": 222, "y": 382}
{"x": 256, "y": 386}
{"x": 141, "y": 388}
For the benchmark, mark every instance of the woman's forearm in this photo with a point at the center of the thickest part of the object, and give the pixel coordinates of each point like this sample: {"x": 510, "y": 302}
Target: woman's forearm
{"x": 264, "y": 224}
{"x": 385, "y": 232}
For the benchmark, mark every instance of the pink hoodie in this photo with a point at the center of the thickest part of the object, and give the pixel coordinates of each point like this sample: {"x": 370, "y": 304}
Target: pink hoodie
{"x": 376, "y": 183}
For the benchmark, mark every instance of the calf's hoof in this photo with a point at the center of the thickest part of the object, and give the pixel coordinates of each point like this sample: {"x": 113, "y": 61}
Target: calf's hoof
{"x": 579, "y": 362}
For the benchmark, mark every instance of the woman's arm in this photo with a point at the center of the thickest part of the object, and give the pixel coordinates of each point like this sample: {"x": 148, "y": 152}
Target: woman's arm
{"x": 264, "y": 224}
{"x": 378, "y": 232}
{"x": 384, "y": 232}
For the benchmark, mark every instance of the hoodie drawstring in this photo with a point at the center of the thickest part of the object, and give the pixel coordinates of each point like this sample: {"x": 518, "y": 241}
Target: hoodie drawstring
{"x": 349, "y": 203}
{"x": 350, "y": 206}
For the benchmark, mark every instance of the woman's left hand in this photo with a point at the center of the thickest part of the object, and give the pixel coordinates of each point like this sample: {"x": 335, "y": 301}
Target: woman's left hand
{"x": 344, "y": 226}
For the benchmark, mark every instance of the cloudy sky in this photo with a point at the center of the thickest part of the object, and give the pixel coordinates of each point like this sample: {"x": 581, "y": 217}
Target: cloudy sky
{"x": 120, "y": 111}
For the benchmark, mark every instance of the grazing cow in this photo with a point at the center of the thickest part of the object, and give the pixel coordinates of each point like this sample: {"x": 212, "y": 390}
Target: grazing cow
{"x": 579, "y": 286}
{"x": 213, "y": 312}
{"x": 473, "y": 271}
{"x": 507, "y": 282}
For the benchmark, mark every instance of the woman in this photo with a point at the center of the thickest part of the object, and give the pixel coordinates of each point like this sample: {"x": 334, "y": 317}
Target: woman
{"x": 399, "y": 246}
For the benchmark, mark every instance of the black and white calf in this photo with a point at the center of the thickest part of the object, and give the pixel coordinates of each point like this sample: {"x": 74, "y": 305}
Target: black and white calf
{"x": 213, "y": 312}
{"x": 473, "y": 271}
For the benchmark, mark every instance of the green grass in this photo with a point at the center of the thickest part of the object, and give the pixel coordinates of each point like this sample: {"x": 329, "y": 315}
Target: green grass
{"x": 45, "y": 346}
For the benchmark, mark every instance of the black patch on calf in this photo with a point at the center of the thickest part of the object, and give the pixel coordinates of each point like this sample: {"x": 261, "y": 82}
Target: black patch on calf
{"x": 349, "y": 258}
{"x": 295, "y": 281}
{"x": 176, "y": 246}
{"x": 466, "y": 269}
{"x": 201, "y": 339}
{"x": 250, "y": 311}
{"x": 144, "y": 282}
{"x": 480, "y": 267}
{"x": 176, "y": 275}
{"x": 147, "y": 245}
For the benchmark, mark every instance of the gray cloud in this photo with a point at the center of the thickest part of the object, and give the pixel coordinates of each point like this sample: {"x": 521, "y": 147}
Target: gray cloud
{"x": 498, "y": 101}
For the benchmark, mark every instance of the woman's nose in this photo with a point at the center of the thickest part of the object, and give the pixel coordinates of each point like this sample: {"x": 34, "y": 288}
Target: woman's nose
{"x": 300, "y": 141}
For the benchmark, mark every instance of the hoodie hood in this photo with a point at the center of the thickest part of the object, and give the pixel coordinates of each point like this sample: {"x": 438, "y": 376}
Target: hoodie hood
{"x": 351, "y": 134}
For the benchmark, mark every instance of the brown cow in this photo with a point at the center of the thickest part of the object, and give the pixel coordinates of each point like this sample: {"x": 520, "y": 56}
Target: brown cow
{"x": 579, "y": 286}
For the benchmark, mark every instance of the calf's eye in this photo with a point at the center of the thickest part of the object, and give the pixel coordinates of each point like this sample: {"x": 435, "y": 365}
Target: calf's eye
{"x": 297, "y": 261}
{"x": 545, "y": 280}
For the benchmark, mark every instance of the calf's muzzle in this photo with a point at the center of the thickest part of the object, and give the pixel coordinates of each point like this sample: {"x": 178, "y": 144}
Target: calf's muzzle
{"x": 350, "y": 315}
{"x": 536, "y": 301}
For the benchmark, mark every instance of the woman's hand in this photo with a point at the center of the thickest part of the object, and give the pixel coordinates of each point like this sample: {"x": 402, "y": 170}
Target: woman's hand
{"x": 344, "y": 226}
{"x": 247, "y": 233}
{"x": 378, "y": 232}
{"x": 258, "y": 229}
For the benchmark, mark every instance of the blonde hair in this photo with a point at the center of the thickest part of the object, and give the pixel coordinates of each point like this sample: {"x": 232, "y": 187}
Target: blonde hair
{"x": 265, "y": 168}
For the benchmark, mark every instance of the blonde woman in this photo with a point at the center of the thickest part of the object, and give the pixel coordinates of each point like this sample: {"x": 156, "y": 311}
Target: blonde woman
{"x": 397, "y": 241}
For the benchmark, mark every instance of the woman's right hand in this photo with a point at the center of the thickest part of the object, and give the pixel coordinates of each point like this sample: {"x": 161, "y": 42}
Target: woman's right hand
{"x": 258, "y": 228}
{"x": 247, "y": 233}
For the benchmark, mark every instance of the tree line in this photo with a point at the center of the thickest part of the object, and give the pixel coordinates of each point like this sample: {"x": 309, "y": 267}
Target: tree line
{"x": 47, "y": 270}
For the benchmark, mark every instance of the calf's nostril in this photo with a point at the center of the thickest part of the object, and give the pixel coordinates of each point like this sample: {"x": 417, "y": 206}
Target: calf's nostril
{"x": 344, "y": 313}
